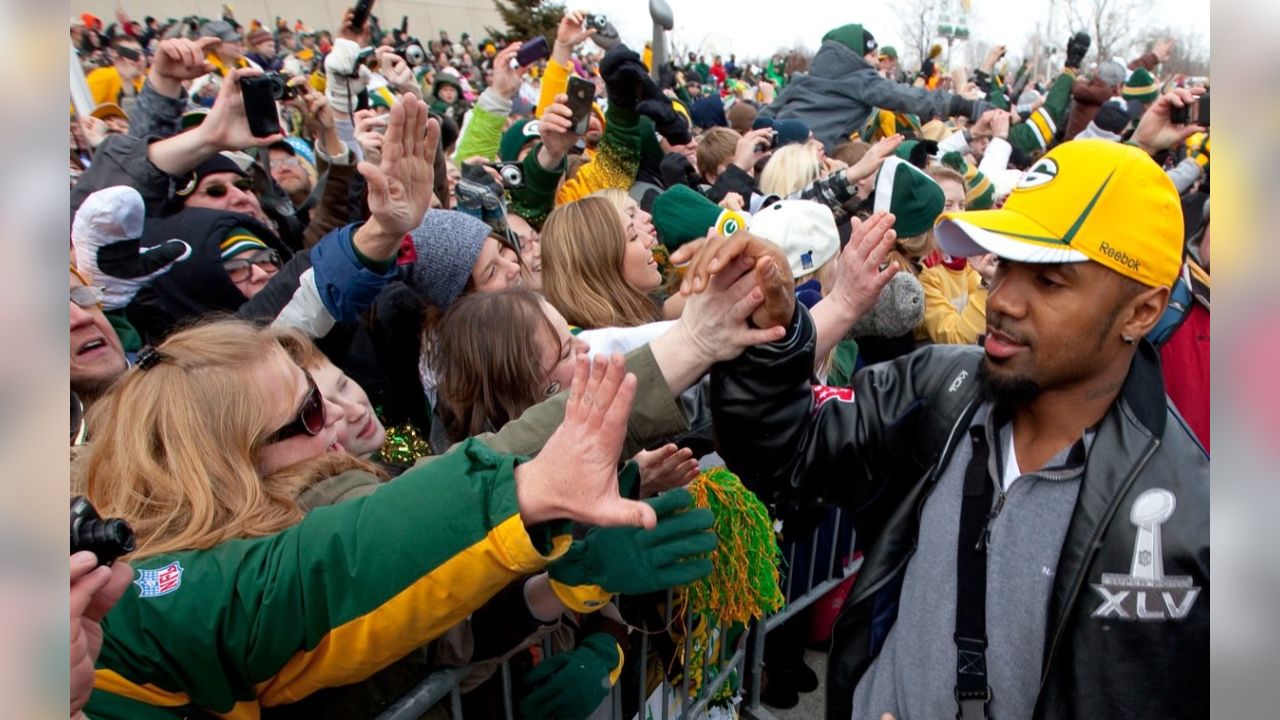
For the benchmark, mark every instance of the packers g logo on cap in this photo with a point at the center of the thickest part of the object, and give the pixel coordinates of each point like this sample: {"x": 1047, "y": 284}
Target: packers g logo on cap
{"x": 729, "y": 223}
{"x": 1043, "y": 172}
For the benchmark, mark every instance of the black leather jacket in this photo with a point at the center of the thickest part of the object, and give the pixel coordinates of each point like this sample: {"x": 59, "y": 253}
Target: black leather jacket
{"x": 1126, "y": 637}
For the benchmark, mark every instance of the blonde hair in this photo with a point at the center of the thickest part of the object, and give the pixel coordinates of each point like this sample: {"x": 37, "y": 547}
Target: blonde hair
{"x": 616, "y": 196}
{"x": 583, "y": 246}
{"x": 790, "y": 169}
{"x": 174, "y": 445}
{"x": 942, "y": 172}
{"x": 716, "y": 147}
{"x": 910, "y": 252}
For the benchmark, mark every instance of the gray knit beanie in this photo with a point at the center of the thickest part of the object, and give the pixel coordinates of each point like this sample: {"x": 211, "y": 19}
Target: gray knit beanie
{"x": 899, "y": 310}
{"x": 1111, "y": 72}
{"x": 447, "y": 244}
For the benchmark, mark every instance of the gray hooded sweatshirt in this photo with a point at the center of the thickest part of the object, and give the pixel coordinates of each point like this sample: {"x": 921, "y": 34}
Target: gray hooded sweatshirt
{"x": 841, "y": 90}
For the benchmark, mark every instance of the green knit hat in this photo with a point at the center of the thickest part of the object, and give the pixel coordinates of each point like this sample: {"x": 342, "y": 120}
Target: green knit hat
{"x": 854, "y": 37}
{"x": 682, "y": 214}
{"x": 239, "y": 240}
{"x": 1141, "y": 86}
{"x": 912, "y": 196}
{"x": 889, "y": 51}
{"x": 515, "y": 138}
{"x": 979, "y": 193}
{"x": 917, "y": 152}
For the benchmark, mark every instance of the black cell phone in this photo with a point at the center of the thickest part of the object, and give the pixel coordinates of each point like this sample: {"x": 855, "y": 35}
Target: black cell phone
{"x": 533, "y": 50}
{"x": 260, "y": 106}
{"x": 1202, "y": 110}
{"x": 361, "y": 14}
{"x": 581, "y": 94}
{"x": 1196, "y": 113}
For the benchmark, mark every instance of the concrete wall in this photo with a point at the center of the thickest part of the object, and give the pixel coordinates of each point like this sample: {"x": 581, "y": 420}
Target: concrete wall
{"x": 426, "y": 17}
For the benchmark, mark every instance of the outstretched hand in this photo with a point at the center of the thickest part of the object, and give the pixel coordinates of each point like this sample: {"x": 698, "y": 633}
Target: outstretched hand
{"x": 874, "y": 157}
{"x": 706, "y": 258}
{"x": 400, "y": 185}
{"x": 668, "y": 467}
{"x": 575, "y": 476}
{"x": 715, "y": 321}
{"x": 860, "y": 277}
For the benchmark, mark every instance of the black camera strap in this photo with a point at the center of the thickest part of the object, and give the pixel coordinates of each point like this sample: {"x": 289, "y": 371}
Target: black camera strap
{"x": 973, "y": 692}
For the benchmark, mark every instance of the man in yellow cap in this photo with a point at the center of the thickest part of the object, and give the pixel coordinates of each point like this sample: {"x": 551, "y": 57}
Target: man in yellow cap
{"x": 1034, "y": 510}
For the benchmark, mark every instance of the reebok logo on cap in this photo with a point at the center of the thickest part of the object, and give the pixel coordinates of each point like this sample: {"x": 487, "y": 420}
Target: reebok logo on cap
{"x": 1120, "y": 257}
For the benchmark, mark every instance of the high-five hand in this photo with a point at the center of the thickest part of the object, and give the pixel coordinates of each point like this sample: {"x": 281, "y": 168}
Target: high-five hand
{"x": 575, "y": 477}
{"x": 400, "y": 185}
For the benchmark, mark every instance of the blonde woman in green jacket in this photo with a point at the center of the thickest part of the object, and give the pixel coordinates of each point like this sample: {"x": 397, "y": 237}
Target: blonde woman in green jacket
{"x": 241, "y": 603}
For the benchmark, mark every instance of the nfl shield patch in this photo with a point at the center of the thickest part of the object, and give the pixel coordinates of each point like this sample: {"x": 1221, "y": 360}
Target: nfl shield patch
{"x": 161, "y": 581}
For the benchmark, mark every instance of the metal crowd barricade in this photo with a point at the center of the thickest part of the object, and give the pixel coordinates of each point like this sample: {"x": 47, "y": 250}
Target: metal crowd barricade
{"x": 827, "y": 567}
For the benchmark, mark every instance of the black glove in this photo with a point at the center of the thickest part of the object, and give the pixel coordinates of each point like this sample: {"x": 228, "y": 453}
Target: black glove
{"x": 666, "y": 120}
{"x": 971, "y": 109}
{"x": 677, "y": 170}
{"x": 624, "y": 77}
{"x": 1077, "y": 46}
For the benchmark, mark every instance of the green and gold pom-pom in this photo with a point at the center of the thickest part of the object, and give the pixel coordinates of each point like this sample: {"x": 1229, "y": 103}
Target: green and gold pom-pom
{"x": 403, "y": 446}
{"x": 743, "y": 583}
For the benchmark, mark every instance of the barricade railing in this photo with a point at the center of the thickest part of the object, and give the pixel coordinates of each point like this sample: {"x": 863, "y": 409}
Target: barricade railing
{"x": 827, "y": 557}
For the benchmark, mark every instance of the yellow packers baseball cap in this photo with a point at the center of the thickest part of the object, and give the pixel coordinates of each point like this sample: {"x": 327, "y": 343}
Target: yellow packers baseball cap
{"x": 1085, "y": 200}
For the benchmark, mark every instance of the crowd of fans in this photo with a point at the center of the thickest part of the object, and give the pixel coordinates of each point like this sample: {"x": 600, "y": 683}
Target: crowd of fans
{"x": 418, "y": 377}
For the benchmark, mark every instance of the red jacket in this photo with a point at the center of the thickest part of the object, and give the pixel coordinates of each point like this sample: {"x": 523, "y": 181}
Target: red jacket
{"x": 1185, "y": 358}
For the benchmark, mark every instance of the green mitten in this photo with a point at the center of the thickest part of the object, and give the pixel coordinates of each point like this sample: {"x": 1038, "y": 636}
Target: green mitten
{"x": 571, "y": 685}
{"x": 633, "y": 561}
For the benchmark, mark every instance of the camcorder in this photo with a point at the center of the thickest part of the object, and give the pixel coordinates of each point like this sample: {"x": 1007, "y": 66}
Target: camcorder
{"x": 107, "y": 539}
{"x": 597, "y": 22}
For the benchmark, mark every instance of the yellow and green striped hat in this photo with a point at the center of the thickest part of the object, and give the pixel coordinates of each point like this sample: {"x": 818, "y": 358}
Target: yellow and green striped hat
{"x": 1141, "y": 86}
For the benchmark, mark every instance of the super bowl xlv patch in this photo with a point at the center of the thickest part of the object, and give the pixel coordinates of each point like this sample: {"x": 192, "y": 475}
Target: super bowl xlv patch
{"x": 1146, "y": 593}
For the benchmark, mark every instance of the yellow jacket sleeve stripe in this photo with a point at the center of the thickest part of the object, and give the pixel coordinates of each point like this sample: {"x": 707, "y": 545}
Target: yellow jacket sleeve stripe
{"x": 427, "y": 608}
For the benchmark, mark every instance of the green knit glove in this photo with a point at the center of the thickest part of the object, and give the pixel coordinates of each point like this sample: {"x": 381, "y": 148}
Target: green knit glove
{"x": 571, "y": 685}
{"x": 633, "y": 561}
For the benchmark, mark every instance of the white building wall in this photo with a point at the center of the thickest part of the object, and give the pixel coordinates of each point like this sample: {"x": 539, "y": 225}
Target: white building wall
{"x": 426, "y": 17}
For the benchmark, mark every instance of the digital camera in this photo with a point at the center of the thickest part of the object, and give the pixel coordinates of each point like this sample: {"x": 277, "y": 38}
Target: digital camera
{"x": 107, "y": 539}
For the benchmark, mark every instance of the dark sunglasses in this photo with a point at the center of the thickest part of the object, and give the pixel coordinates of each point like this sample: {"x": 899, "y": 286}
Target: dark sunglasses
{"x": 218, "y": 190}
{"x": 310, "y": 419}
{"x": 240, "y": 269}
{"x": 128, "y": 53}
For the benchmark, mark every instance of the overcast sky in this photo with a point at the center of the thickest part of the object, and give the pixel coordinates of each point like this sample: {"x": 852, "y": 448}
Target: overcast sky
{"x": 759, "y": 27}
